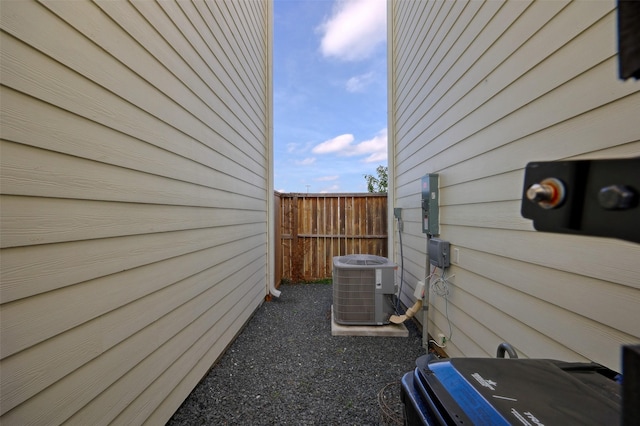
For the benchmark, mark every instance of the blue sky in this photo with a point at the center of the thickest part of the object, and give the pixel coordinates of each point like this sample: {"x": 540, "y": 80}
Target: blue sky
{"x": 330, "y": 94}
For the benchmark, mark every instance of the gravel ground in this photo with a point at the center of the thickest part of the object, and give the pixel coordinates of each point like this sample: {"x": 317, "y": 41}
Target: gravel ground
{"x": 286, "y": 368}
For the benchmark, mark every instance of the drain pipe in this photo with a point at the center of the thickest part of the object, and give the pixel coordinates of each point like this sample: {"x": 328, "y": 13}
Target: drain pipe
{"x": 418, "y": 294}
{"x": 274, "y": 291}
{"x": 271, "y": 210}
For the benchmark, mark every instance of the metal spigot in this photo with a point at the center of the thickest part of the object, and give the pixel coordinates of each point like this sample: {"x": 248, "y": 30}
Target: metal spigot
{"x": 548, "y": 194}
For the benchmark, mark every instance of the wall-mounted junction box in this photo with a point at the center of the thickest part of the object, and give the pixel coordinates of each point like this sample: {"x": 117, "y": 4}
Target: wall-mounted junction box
{"x": 430, "y": 195}
{"x": 439, "y": 253}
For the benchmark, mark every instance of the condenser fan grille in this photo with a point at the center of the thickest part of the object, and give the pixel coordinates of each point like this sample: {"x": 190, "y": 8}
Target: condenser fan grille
{"x": 354, "y": 297}
{"x": 363, "y": 259}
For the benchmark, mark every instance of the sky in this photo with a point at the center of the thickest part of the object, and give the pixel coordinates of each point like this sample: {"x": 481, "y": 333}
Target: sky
{"x": 329, "y": 94}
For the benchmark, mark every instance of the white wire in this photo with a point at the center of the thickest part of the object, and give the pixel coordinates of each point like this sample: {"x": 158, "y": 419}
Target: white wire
{"x": 427, "y": 279}
{"x": 441, "y": 287}
{"x": 436, "y": 343}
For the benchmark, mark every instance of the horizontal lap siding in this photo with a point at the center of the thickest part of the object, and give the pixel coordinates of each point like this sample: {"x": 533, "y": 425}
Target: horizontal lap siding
{"x": 134, "y": 201}
{"x": 479, "y": 90}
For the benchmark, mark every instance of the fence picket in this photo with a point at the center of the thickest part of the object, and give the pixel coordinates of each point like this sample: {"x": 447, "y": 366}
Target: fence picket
{"x": 311, "y": 229}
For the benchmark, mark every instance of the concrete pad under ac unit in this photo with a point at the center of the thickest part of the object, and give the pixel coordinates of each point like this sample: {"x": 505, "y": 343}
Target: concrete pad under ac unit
{"x": 388, "y": 330}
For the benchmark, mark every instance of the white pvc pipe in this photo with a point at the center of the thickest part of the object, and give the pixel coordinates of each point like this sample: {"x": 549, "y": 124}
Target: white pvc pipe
{"x": 273, "y": 290}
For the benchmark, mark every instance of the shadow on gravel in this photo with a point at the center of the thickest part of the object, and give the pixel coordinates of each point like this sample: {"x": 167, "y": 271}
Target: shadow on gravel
{"x": 286, "y": 368}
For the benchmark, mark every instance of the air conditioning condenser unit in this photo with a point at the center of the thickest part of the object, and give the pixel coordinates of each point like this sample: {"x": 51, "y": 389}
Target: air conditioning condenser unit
{"x": 363, "y": 285}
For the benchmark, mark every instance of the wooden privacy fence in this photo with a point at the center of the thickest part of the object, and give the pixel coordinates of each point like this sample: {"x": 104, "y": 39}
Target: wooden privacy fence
{"x": 313, "y": 228}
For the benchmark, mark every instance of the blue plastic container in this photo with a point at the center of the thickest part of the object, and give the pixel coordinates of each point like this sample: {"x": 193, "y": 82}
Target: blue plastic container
{"x": 486, "y": 391}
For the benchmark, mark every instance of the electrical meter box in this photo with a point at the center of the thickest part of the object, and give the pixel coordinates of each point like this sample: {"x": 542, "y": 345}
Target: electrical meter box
{"x": 439, "y": 253}
{"x": 430, "y": 196}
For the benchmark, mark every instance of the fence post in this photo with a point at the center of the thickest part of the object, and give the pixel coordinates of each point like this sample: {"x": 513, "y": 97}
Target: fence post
{"x": 297, "y": 255}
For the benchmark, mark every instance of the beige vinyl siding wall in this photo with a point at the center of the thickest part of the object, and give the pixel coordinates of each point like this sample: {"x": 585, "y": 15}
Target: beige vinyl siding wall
{"x": 135, "y": 189}
{"x": 477, "y": 90}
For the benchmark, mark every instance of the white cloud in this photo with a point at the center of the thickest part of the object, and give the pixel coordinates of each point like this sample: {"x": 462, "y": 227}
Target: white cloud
{"x": 355, "y": 29}
{"x": 375, "y": 148}
{"x": 306, "y": 162}
{"x": 376, "y": 157}
{"x": 337, "y": 144}
{"x": 327, "y": 178}
{"x": 359, "y": 82}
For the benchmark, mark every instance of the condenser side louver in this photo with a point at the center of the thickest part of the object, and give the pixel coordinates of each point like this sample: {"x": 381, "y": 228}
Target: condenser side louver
{"x": 362, "y": 289}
